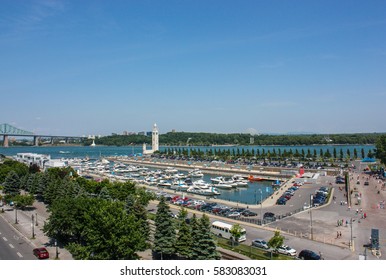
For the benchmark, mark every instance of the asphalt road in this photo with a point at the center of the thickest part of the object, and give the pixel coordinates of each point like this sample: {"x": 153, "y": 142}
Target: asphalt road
{"x": 13, "y": 246}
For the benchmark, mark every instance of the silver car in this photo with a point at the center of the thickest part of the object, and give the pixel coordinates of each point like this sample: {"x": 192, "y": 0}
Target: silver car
{"x": 286, "y": 250}
{"x": 260, "y": 243}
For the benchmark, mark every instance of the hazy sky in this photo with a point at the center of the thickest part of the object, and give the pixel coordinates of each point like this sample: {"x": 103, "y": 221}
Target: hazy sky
{"x": 97, "y": 67}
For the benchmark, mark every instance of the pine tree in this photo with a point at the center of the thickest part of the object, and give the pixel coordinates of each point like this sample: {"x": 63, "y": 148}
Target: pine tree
{"x": 105, "y": 194}
{"x": 164, "y": 236}
{"x": 12, "y": 184}
{"x": 184, "y": 236}
{"x": 195, "y": 233}
{"x": 136, "y": 208}
{"x": 206, "y": 245}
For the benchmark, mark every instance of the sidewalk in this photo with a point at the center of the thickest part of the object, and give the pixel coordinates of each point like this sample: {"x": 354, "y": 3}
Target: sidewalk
{"x": 24, "y": 226}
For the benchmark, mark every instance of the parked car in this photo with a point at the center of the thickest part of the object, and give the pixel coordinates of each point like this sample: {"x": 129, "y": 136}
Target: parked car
{"x": 269, "y": 217}
{"x": 281, "y": 201}
{"x": 286, "y": 250}
{"x": 248, "y": 213}
{"x": 287, "y": 196}
{"x": 41, "y": 253}
{"x": 260, "y": 243}
{"x": 308, "y": 255}
{"x": 233, "y": 215}
{"x": 290, "y": 192}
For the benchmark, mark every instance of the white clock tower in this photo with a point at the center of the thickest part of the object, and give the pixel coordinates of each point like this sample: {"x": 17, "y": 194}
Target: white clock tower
{"x": 154, "y": 139}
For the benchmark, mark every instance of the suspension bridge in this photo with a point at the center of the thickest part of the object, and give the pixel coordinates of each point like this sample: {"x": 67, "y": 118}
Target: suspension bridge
{"x": 7, "y": 130}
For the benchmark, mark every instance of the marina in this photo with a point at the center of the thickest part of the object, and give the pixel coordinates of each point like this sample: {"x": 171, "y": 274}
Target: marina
{"x": 236, "y": 188}
{"x": 247, "y": 184}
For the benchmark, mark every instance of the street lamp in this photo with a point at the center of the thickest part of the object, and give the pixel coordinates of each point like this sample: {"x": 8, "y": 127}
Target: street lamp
{"x": 57, "y": 252}
{"x": 32, "y": 226}
{"x": 261, "y": 206}
{"x": 311, "y": 205}
{"x": 16, "y": 222}
{"x": 351, "y": 245}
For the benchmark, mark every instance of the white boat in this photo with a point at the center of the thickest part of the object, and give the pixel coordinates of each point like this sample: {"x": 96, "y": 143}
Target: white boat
{"x": 179, "y": 185}
{"x": 170, "y": 170}
{"x": 196, "y": 173}
{"x": 240, "y": 181}
{"x": 201, "y": 184}
{"x": 217, "y": 180}
{"x": 222, "y": 185}
{"x": 207, "y": 192}
{"x": 164, "y": 184}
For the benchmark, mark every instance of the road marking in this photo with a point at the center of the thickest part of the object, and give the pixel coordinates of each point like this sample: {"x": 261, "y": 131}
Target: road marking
{"x": 10, "y": 245}
{"x": 20, "y": 255}
{"x": 5, "y": 239}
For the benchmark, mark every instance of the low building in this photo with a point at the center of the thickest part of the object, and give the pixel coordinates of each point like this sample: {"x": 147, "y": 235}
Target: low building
{"x": 43, "y": 161}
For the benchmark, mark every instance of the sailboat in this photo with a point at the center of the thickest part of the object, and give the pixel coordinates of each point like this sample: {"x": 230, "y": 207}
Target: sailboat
{"x": 93, "y": 143}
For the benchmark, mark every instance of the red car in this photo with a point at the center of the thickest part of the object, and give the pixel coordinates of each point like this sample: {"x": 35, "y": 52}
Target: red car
{"x": 41, "y": 253}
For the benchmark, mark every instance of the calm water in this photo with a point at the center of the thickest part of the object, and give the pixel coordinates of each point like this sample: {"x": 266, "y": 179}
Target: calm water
{"x": 249, "y": 195}
{"x": 98, "y": 151}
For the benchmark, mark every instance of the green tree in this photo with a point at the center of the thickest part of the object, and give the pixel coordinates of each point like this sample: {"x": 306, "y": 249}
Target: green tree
{"x": 22, "y": 201}
{"x": 276, "y": 241}
{"x": 95, "y": 228}
{"x": 236, "y": 232}
{"x": 206, "y": 244}
{"x": 184, "y": 236}
{"x": 165, "y": 235}
{"x": 380, "y": 151}
{"x": 135, "y": 207}
{"x": 195, "y": 233}
{"x": 12, "y": 184}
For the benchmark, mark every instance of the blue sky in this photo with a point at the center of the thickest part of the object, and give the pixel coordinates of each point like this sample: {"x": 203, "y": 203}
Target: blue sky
{"x": 97, "y": 67}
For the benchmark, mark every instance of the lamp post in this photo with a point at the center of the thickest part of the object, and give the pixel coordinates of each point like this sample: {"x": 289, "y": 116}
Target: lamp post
{"x": 57, "y": 252}
{"x": 351, "y": 245}
{"x": 261, "y": 206}
{"x": 16, "y": 222}
{"x": 32, "y": 226}
{"x": 311, "y": 205}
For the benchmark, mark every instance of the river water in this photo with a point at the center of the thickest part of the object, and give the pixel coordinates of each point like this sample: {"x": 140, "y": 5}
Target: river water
{"x": 244, "y": 195}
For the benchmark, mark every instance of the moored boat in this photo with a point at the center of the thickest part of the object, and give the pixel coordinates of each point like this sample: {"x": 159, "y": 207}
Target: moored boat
{"x": 252, "y": 178}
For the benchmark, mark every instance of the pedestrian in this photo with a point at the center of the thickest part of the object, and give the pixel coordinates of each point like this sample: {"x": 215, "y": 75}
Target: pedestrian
{"x": 340, "y": 234}
{"x": 364, "y": 215}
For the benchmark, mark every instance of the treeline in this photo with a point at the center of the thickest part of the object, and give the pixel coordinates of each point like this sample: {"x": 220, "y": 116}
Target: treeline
{"x": 182, "y": 238}
{"x": 235, "y": 154}
{"x": 207, "y": 139}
